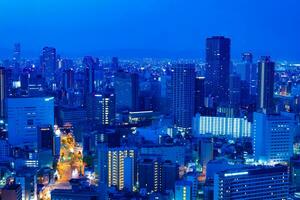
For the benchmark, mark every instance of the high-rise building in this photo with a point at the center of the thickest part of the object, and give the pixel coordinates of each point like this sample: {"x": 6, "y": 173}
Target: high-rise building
{"x": 45, "y": 136}
{"x": 235, "y": 90}
{"x": 121, "y": 165}
{"x": 115, "y": 64}
{"x": 68, "y": 78}
{"x": 273, "y": 136}
{"x": 126, "y": 91}
{"x": 89, "y": 64}
{"x": 206, "y": 151}
{"x": 48, "y": 63}
{"x": 250, "y": 72}
{"x": 101, "y": 109}
{"x": 183, "y": 95}
{"x": 102, "y": 169}
{"x": 155, "y": 175}
{"x": 183, "y": 190}
{"x": 217, "y": 68}
{"x": 24, "y": 115}
{"x": 265, "y": 85}
{"x": 108, "y": 108}
{"x": 3, "y": 92}
{"x": 199, "y": 94}
{"x": 256, "y": 182}
{"x": 17, "y": 55}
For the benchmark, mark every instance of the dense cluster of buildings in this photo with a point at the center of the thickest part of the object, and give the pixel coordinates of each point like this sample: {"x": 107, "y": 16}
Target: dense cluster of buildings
{"x": 149, "y": 129}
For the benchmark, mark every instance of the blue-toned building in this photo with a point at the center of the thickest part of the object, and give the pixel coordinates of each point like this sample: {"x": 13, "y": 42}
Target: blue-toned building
{"x": 255, "y": 182}
{"x": 273, "y": 136}
{"x": 25, "y": 115}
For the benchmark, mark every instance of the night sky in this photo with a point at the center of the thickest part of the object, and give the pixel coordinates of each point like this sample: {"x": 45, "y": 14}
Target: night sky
{"x": 150, "y": 27}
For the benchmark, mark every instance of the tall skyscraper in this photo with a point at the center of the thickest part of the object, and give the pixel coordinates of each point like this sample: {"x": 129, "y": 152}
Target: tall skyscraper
{"x": 183, "y": 95}
{"x": 217, "y": 68}
{"x": 126, "y": 91}
{"x": 250, "y": 72}
{"x": 273, "y": 136}
{"x": 199, "y": 94}
{"x": 17, "y": 55}
{"x": 265, "y": 85}
{"x": 89, "y": 64}
{"x": 48, "y": 63}
{"x": 24, "y": 115}
{"x": 68, "y": 78}
{"x": 2, "y": 91}
{"x": 235, "y": 90}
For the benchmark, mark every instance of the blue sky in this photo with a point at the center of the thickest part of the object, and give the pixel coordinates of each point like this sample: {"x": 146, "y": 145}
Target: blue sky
{"x": 151, "y": 27}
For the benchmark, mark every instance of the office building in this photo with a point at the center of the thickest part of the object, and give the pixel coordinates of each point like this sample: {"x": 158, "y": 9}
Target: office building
{"x": 173, "y": 153}
{"x": 206, "y": 151}
{"x": 127, "y": 91}
{"x": 265, "y": 85}
{"x": 273, "y": 136}
{"x": 68, "y": 79}
{"x": 183, "y": 95}
{"x": 235, "y": 90}
{"x": 121, "y": 167}
{"x": 217, "y": 68}
{"x": 3, "y": 91}
{"x": 102, "y": 109}
{"x": 258, "y": 182}
{"x": 199, "y": 94}
{"x": 48, "y": 63}
{"x": 45, "y": 137}
{"x": 17, "y": 55}
{"x": 89, "y": 64}
{"x": 24, "y": 117}
{"x": 155, "y": 175}
{"x": 183, "y": 190}
{"x": 222, "y": 126}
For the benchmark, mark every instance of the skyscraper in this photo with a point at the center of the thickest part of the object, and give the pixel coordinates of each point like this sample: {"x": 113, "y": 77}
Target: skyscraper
{"x": 48, "y": 63}
{"x": 126, "y": 91}
{"x": 183, "y": 95}
{"x": 89, "y": 64}
{"x": 68, "y": 78}
{"x": 217, "y": 68}
{"x": 235, "y": 90}
{"x": 17, "y": 55}
{"x": 265, "y": 85}
{"x": 199, "y": 94}
{"x": 102, "y": 109}
{"x": 2, "y": 91}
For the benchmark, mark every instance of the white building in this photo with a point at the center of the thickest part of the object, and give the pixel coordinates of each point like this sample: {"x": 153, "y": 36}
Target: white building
{"x": 24, "y": 115}
{"x": 221, "y": 126}
{"x": 273, "y": 136}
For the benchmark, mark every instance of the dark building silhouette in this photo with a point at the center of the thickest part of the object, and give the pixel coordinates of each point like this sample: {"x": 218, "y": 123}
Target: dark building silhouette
{"x": 48, "y": 63}
{"x": 217, "y": 68}
{"x": 3, "y": 92}
{"x": 265, "y": 85}
{"x": 199, "y": 94}
{"x": 183, "y": 95}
